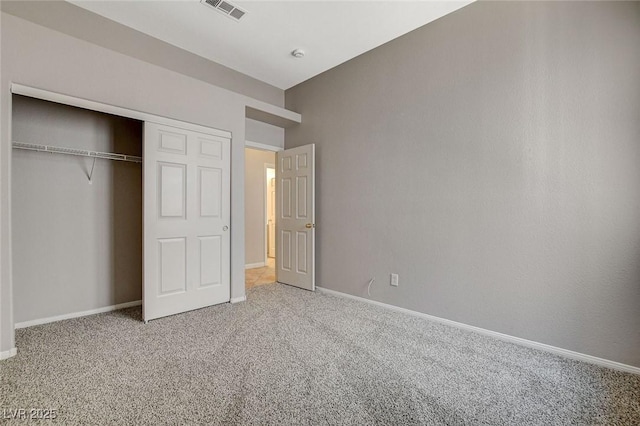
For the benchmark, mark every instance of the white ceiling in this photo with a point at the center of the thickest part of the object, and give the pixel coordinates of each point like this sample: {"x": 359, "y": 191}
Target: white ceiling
{"x": 260, "y": 45}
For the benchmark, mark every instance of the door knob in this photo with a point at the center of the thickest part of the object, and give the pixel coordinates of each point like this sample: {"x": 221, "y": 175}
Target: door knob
{"x": 310, "y": 225}
{"x": 225, "y": 228}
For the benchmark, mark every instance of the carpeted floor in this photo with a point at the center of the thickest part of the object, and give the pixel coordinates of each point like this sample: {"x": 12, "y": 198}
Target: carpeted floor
{"x": 288, "y": 356}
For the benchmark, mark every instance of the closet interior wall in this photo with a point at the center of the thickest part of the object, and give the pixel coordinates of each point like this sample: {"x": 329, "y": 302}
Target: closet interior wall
{"x": 77, "y": 246}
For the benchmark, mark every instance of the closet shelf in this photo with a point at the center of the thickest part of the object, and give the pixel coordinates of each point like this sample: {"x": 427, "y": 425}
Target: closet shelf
{"x": 78, "y": 152}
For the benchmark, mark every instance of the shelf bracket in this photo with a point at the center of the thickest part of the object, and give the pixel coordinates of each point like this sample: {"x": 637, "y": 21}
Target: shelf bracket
{"x": 91, "y": 173}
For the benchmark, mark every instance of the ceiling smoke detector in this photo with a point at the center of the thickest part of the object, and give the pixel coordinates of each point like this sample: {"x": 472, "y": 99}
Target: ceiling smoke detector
{"x": 298, "y": 53}
{"x": 227, "y": 9}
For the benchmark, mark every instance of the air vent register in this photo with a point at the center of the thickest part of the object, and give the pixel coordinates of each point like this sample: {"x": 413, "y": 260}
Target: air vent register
{"x": 227, "y": 9}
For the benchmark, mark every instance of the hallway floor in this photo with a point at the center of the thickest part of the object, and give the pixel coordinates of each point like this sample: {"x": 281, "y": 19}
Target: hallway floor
{"x": 263, "y": 275}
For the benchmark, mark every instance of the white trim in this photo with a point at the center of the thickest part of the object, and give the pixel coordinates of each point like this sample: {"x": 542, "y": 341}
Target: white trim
{"x": 254, "y": 265}
{"x": 238, "y": 299}
{"x": 500, "y": 336}
{"x": 262, "y": 146}
{"x": 265, "y": 195}
{"x": 271, "y": 114}
{"x": 60, "y": 98}
{"x": 77, "y": 314}
{"x": 8, "y": 354}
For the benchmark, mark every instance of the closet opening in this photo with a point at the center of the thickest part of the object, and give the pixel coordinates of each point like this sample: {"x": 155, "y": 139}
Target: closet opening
{"x": 260, "y": 217}
{"x": 76, "y": 215}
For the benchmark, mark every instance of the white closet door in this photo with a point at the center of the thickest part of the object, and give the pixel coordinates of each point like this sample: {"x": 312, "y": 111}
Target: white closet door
{"x": 186, "y": 220}
{"x": 295, "y": 212}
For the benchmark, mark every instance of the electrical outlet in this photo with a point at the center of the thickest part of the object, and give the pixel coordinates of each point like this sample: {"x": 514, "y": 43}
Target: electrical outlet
{"x": 394, "y": 280}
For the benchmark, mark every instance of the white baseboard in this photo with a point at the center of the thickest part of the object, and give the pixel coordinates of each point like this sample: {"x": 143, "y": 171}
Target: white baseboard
{"x": 78, "y": 314}
{"x": 238, "y": 299}
{"x": 500, "y": 336}
{"x": 254, "y": 265}
{"x": 8, "y": 354}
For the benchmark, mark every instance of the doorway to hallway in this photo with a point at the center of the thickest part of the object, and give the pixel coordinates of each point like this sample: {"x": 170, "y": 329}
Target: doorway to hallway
{"x": 260, "y": 218}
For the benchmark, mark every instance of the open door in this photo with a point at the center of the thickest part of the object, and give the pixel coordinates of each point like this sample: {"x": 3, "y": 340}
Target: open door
{"x": 295, "y": 212}
{"x": 271, "y": 212}
{"x": 186, "y": 220}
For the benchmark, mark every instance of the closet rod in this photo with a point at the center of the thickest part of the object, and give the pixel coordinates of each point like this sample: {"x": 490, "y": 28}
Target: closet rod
{"x": 78, "y": 152}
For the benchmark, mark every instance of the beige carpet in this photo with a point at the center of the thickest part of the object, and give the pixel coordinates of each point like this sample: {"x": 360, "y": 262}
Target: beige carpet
{"x": 292, "y": 357}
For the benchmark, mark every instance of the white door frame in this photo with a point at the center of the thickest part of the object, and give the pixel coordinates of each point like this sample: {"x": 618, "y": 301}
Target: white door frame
{"x": 267, "y": 166}
{"x": 263, "y": 147}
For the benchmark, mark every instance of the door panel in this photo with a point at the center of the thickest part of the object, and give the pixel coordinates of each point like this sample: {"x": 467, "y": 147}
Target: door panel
{"x": 301, "y": 205}
{"x": 210, "y": 191}
{"x": 301, "y": 256}
{"x": 295, "y": 213}
{"x": 172, "y": 258}
{"x": 285, "y": 208}
{"x": 285, "y": 253}
{"x": 174, "y": 143}
{"x": 271, "y": 215}
{"x": 210, "y": 261}
{"x": 172, "y": 191}
{"x": 186, "y": 218}
{"x": 210, "y": 148}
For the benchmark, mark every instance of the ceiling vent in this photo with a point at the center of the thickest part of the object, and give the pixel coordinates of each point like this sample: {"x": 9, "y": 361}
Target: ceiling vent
{"x": 227, "y": 9}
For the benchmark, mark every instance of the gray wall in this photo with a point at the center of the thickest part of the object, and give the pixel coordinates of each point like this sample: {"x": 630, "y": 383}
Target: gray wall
{"x": 76, "y": 246}
{"x": 263, "y": 133}
{"x": 78, "y": 22}
{"x": 254, "y": 203}
{"x": 491, "y": 159}
{"x": 39, "y": 57}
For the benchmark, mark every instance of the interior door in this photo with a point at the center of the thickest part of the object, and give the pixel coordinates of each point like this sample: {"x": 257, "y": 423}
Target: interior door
{"x": 295, "y": 213}
{"x": 186, "y": 220}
